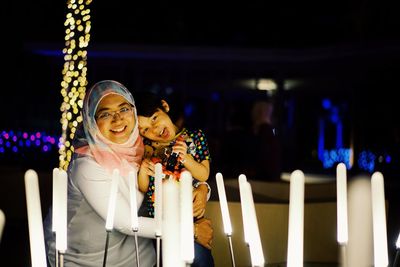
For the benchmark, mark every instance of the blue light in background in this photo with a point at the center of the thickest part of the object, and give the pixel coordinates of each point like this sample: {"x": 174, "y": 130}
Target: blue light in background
{"x": 326, "y": 103}
{"x": 334, "y": 156}
{"x": 188, "y": 110}
{"x": 20, "y": 142}
{"x": 339, "y": 135}
{"x": 321, "y": 139}
{"x": 215, "y": 97}
{"x": 366, "y": 161}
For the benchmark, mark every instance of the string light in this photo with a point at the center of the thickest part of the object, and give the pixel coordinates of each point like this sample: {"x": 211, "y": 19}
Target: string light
{"x": 19, "y": 143}
{"x": 73, "y": 86}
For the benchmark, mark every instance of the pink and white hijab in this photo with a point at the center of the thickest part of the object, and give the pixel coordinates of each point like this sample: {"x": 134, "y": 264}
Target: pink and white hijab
{"x": 127, "y": 156}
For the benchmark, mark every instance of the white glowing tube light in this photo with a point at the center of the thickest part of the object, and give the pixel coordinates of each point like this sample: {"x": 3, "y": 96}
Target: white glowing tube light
{"x": 244, "y": 206}
{"x": 132, "y": 177}
{"x": 186, "y": 215}
{"x": 341, "y": 196}
{"x": 296, "y": 220}
{"x": 226, "y": 220}
{"x": 54, "y": 199}
{"x": 381, "y": 257}
{"x": 256, "y": 252}
{"x": 158, "y": 208}
{"x": 35, "y": 223}
{"x": 171, "y": 242}
{"x": 61, "y": 220}
{"x": 112, "y": 200}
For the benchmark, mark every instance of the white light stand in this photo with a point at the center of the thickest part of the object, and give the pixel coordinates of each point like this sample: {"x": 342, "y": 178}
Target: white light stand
{"x": 225, "y": 213}
{"x": 132, "y": 179}
{"x": 111, "y": 210}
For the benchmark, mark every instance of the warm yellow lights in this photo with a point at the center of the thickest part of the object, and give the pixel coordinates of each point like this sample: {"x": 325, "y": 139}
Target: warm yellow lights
{"x": 266, "y": 84}
{"x": 73, "y": 86}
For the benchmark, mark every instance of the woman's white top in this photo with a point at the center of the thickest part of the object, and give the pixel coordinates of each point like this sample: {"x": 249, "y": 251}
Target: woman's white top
{"x": 88, "y": 196}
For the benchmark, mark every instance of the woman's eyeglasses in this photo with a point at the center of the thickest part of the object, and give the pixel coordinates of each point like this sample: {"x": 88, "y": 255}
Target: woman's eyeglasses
{"x": 109, "y": 115}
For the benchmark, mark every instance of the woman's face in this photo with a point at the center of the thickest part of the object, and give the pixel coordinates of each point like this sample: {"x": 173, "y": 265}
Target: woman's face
{"x": 158, "y": 127}
{"x": 115, "y": 118}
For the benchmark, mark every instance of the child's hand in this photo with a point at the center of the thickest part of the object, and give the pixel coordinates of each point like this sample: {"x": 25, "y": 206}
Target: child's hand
{"x": 146, "y": 168}
{"x": 180, "y": 147}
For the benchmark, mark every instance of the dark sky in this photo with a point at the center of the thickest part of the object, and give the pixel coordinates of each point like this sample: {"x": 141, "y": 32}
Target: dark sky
{"x": 264, "y": 24}
{"x": 350, "y": 35}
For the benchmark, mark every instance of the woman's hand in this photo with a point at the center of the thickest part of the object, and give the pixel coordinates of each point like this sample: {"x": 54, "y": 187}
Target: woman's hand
{"x": 200, "y": 200}
{"x": 203, "y": 232}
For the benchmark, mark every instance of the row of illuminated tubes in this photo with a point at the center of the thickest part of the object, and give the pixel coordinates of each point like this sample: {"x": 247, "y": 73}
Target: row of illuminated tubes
{"x": 251, "y": 231}
{"x": 176, "y": 220}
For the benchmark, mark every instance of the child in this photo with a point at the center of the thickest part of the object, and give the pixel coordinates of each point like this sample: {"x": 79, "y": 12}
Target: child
{"x": 178, "y": 149}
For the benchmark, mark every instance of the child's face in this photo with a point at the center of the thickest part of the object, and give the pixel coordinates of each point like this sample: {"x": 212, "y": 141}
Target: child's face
{"x": 158, "y": 127}
{"x": 115, "y": 118}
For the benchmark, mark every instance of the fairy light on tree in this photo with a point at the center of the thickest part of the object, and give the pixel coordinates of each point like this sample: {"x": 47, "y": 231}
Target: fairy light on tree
{"x": 73, "y": 85}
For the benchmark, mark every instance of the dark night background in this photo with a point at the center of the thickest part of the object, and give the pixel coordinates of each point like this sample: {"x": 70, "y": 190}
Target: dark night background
{"x": 345, "y": 51}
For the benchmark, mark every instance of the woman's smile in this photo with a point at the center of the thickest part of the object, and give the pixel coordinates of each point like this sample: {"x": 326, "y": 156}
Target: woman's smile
{"x": 118, "y": 130}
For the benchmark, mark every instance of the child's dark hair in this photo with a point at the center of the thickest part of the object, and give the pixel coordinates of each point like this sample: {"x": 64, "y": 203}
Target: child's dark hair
{"x": 147, "y": 103}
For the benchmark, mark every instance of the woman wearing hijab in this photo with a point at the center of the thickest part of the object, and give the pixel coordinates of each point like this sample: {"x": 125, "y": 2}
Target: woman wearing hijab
{"x": 110, "y": 140}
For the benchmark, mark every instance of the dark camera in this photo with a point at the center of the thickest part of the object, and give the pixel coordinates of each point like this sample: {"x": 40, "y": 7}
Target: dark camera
{"x": 172, "y": 161}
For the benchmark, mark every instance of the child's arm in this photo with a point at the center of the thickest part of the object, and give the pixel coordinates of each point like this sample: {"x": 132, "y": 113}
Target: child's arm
{"x": 146, "y": 170}
{"x": 199, "y": 170}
